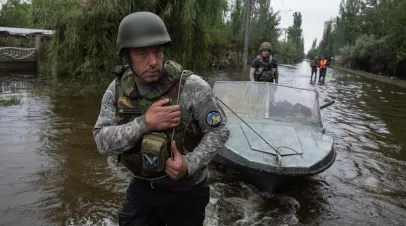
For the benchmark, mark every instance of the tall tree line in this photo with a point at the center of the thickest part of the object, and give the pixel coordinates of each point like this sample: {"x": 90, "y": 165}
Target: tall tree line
{"x": 368, "y": 35}
{"x": 205, "y": 33}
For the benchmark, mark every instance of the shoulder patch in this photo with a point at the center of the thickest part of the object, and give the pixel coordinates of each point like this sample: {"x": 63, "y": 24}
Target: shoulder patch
{"x": 214, "y": 118}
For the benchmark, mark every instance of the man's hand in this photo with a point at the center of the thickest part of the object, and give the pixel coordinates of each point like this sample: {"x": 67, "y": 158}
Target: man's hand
{"x": 177, "y": 167}
{"x": 252, "y": 71}
{"x": 160, "y": 117}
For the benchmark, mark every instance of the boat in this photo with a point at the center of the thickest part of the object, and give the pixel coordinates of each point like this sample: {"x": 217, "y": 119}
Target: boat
{"x": 276, "y": 132}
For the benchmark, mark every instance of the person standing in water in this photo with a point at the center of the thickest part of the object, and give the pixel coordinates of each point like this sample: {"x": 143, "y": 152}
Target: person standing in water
{"x": 264, "y": 67}
{"x": 323, "y": 69}
{"x": 164, "y": 124}
{"x": 313, "y": 65}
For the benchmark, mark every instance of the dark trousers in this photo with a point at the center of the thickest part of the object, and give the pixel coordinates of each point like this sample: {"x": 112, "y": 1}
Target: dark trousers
{"x": 322, "y": 73}
{"x": 145, "y": 205}
{"x": 314, "y": 71}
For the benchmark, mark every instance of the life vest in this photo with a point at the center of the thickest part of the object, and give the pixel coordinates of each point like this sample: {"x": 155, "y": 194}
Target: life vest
{"x": 265, "y": 71}
{"x": 131, "y": 105}
{"x": 323, "y": 64}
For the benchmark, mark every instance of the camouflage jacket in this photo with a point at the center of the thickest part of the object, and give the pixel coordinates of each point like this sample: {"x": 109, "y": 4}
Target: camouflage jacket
{"x": 314, "y": 63}
{"x": 197, "y": 100}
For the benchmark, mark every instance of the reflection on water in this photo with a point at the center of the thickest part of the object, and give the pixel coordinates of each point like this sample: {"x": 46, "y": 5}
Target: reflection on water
{"x": 51, "y": 172}
{"x": 14, "y": 84}
{"x": 20, "y": 161}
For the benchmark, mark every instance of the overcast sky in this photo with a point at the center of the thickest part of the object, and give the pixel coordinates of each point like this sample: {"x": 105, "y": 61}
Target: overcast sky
{"x": 314, "y": 13}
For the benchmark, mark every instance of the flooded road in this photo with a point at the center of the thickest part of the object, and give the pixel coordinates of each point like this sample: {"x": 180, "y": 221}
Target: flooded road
{"x": 52, "y": 174}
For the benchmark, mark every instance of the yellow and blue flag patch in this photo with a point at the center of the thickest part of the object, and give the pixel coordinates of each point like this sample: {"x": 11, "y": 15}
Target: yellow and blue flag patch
{"x": 214, "y": 119}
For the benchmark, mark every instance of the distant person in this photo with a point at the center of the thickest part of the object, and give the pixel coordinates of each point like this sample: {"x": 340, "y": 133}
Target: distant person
{"x": 323, "y": 69}
{"x": 264, "y": 67}
{"x": 313, "y": 65}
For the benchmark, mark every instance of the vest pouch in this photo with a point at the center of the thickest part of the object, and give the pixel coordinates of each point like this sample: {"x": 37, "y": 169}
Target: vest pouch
{"x": 267, "y": 76}
{"x": 154, "y": 152}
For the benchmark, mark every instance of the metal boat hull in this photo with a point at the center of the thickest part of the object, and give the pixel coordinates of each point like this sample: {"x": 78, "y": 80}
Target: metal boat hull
{"x": 268, "y": 181}
{"x": 276, "y": 133}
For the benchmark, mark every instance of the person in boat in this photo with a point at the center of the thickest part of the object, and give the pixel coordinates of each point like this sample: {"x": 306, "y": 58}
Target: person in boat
{"x": 165, "y": 126}
{"x": 313, "y": 65}
{"x": 323, "y": 69}
{"x": 264, "y": 67}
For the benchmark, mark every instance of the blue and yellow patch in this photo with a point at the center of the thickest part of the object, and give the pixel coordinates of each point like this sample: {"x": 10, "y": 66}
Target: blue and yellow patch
{"x": 151, "y": 160}
{"x": 214, "y": 119}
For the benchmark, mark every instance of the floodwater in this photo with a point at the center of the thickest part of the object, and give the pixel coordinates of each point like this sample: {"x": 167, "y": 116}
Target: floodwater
{"x": 52, "y": 174}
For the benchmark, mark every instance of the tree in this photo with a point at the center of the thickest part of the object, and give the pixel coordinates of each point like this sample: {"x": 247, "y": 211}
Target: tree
{"x": 14, "y": 14}
{"x": 247, "y": 22}
{"x": 295, "y": 36}
{"x": 202, "y": 34}
{"x": 313, "y": 50}
{"x": 369, "y": 35}
{"x": 264, "y": 27}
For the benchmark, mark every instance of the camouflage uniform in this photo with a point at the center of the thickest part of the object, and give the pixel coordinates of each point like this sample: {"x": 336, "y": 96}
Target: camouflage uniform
{"x": 314, "y": 65}
{"x": 160, "y": 201}
{"x": 266, "y": 69}
{"x": 197, "y": 100}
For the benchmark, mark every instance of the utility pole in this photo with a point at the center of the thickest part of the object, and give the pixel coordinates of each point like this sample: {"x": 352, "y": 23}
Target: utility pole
{"x": 285, "y": 34}
{"x": 284, "y": 11}
{"x": 284, "y": 29}
{"x": 246, "y": 32}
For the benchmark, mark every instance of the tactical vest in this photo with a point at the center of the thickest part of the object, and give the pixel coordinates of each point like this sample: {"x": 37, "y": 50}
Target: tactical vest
{"x": 130, "y": 104}
{"x": 265, "y": 71}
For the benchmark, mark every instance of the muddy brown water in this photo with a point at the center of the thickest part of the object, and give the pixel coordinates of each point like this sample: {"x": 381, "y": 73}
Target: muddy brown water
{"x": 52, "y": 174}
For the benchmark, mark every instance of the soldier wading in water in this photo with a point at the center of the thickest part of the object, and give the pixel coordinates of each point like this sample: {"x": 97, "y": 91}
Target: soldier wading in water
{"x": 165, "y": 126}
{"x": 264, "y": 67}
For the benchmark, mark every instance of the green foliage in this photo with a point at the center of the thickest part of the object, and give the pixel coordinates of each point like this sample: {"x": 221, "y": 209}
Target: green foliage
{"x": 264, "y": 28}
{"x": 10, "y": 102}
{"x": 287, "y": 52}
{"x": 14, "y": 13}
{"x": 369, "y": 35}
{"x": 236, "y": 24}
{"x": 83, "y": 45}
{"x": 295, "y": 38}
{"x": 313, "y": 50}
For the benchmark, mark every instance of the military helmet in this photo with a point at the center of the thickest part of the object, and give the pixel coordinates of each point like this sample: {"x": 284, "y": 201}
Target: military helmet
{"x": 265, "y": 46}
{"x": 141, "y": 29}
